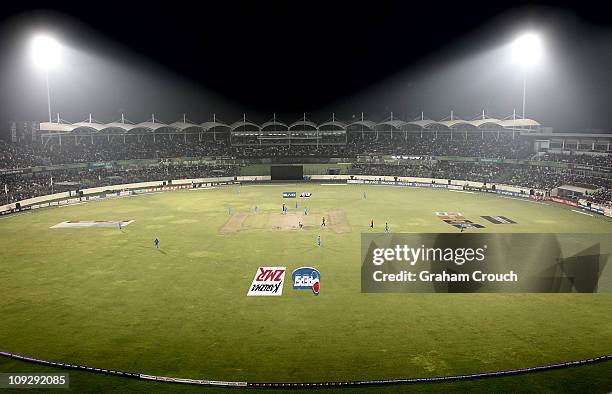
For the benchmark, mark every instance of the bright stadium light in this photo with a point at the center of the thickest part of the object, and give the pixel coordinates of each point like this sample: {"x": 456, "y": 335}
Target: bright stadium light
{"x": 45, "y": 53}
{"x": 527, "y": 52}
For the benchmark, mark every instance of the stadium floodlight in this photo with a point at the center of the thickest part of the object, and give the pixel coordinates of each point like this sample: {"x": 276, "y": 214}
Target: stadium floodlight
{"x": 45, "y": 52}
{"x": 526, "y": 51}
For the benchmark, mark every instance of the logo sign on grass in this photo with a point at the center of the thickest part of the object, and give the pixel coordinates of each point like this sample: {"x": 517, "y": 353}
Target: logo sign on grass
{"x": 268, "y": 281}
{"x": 486, "y": 263}
{"x": 289, "y": 194}
{"x": 499, "y": 219}
{"x": 307, "y": 278}
{"x": 457, "y": 219}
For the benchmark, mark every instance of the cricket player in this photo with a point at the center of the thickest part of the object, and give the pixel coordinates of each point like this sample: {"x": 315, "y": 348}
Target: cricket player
{"x": 319, "y": 240}
{"x": 323, "y": 221}
{"x": 156, "y": 243}
{"x": 119, "y": 225}
{"x": 365, "y": 196}
{"x": 386, "y": 227}
{"x": 305, "y": 210}
{"x": 371, "y": 223}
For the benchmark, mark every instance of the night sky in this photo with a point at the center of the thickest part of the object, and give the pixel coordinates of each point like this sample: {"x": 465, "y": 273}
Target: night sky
{"x": 292, "y": 57}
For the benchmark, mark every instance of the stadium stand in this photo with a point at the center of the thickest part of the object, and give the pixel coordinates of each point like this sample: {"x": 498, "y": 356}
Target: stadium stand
{"x": 495, "y": 154}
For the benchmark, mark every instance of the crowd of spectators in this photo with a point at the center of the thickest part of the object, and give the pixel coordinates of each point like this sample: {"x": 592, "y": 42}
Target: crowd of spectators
{"x": 489, "y": 145}
{"x": 602, "y": 196}
{"x": 599, "y": 160}
{"x": 80, "y": 149}
{"x": 85, "y": 149}
{"x": 536, "y": 177}
{"x": 22, "y": 186}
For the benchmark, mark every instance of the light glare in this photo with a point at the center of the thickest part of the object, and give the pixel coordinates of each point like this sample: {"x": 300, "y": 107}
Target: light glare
{"x": 527, "y": 50}
{"x": 45, "y": 52}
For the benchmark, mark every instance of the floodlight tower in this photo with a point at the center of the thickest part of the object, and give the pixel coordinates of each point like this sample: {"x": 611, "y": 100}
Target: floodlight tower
{"x": 526, "y": 51}
{"x": 45, "y": 52}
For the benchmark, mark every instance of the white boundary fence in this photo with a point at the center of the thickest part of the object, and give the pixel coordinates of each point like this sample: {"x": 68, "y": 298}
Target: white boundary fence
{"x": 207, "y": 382}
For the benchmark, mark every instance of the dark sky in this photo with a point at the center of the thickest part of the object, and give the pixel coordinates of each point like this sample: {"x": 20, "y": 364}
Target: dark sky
{"x": 289, "y": 57}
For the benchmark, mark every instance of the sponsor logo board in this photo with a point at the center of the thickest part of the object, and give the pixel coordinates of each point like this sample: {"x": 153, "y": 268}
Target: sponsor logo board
{"x": 268, "y": 281}
{"x": 307, "y": 278}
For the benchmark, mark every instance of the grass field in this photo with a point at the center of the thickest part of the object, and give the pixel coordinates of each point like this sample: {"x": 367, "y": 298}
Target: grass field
{"x": 106, "y": 298}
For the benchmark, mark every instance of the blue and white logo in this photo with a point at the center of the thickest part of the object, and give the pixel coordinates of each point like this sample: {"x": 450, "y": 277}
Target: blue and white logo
{"x": 307, "y": 278}
{"x": 289, "y": 194}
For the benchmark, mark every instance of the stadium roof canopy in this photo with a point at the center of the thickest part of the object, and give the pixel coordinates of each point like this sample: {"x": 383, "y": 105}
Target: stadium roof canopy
{"x": 244, "y": 124}
{"x": 182, "y": 126}
{"x": 275, "y": 124}
{"x": 333, "y": 123}
{"x": 483, "y": 121}
{"x": 423, "y": 123}
{"x": 364, "y": 123}
{"x": 303, "y": 123}
{"x": 395, "y": 123}
{"x": 151, "y": 126}
{"x": 93, "y": 126}
{"x": 519, "y": 123}
{"x": 455, "y": 123}
{"x": 215, "y": 124}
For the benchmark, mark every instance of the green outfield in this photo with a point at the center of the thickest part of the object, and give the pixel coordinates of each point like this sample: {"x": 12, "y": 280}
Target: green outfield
{"x": 106, "y": 298}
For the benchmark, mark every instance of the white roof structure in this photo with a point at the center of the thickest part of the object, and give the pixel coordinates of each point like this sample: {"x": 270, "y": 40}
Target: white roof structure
{"x": 214, "y": 124}
{"x": 454, "y": 123}
{"x": 365, "y": 123}
{"x": 509, "y": 123}
{"x": 422, "y": 123}
{"x": 303, "y": 123}
{"x": 122, "y": 126}
{"x": 333, "y": 123}
{"x": 89, "y": 126}
{"x": 482, "y": 121}
{"x": 274, "y": 124}
{"x": 181, "y": 126}
{"x": 395, "y": 123}
{"x": 151, "y": 126}
{"x": 243, "y": 123}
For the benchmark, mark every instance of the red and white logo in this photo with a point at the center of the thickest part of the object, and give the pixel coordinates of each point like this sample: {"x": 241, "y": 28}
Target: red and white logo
{"x": 268, "y": 281}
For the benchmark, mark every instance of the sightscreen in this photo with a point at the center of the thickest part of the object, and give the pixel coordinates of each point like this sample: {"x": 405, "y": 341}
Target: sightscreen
{"x": 284, "y": 173}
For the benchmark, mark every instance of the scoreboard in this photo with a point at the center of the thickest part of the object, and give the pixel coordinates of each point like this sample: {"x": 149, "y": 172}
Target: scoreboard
{"x": 287, "y": 173}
